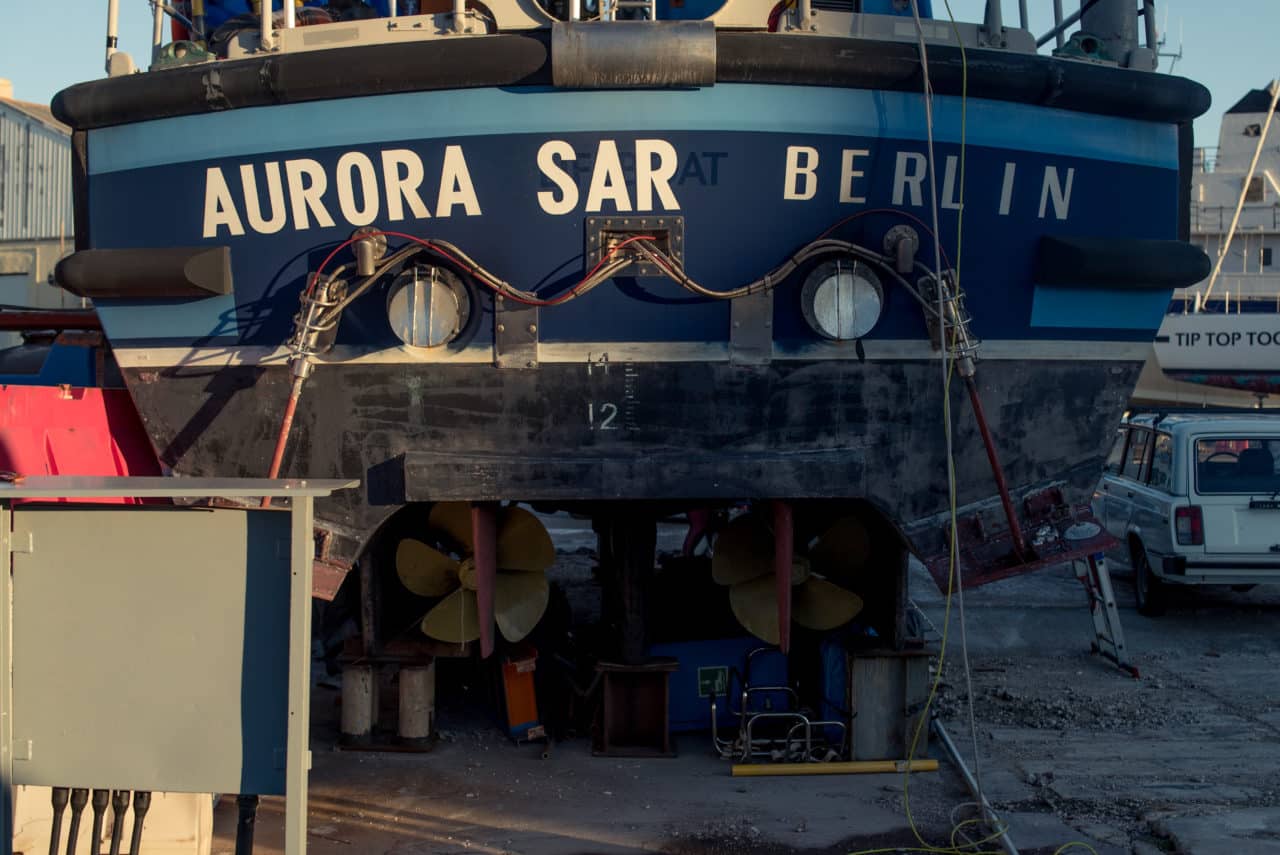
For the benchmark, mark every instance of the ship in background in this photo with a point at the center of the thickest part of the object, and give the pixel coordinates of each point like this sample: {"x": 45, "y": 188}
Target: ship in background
{"x": 1220, "y": 343}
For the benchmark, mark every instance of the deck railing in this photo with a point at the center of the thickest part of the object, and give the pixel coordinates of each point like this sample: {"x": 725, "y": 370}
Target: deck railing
{"x": 1116, "y": 22}
{"x": 1205, "y": 158}
{"x": 1206, "y": 218}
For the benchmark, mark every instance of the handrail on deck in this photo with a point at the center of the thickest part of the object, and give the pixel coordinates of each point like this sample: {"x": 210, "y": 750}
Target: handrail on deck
{"x": 992, "y": 21}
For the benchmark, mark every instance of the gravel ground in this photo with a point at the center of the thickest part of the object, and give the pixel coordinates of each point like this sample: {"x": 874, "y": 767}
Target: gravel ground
{"x": 1064, "y": 734}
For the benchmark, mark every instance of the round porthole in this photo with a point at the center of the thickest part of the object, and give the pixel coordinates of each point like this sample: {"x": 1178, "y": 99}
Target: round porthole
{"x": 842, "y": 300}
{"x": 427, "y": 306}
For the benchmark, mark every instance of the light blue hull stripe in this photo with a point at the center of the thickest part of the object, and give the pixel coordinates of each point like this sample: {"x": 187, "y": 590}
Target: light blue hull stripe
{"x": 1076, "y": 308}
{"x": 198, "y": 321}
{"x": 791, "y": 110}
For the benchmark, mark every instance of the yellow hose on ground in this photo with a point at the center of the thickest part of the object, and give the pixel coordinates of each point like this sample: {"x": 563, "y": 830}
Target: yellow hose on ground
{"x": 853, "y": 767}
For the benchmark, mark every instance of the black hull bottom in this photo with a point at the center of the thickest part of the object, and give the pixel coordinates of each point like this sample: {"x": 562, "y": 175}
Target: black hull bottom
{"x": 674, "y": 433}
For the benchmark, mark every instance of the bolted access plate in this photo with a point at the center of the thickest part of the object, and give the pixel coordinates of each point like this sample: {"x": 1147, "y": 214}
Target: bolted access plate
{"x": 604, "y": 233}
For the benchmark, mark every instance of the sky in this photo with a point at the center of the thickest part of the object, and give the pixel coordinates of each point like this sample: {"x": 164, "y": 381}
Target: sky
{"x": 1228, "y": 45}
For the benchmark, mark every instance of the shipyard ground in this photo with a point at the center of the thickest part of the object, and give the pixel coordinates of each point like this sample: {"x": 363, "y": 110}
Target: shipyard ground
{"x": 1185, "y": 759}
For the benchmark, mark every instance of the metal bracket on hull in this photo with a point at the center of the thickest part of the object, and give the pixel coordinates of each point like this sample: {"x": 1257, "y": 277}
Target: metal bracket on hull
{"x": 751, "y": 329}
{"x": 515, "y": 334}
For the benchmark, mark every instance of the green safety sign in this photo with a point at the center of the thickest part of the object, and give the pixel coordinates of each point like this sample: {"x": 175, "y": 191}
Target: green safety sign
{"x": 713, "y": 680}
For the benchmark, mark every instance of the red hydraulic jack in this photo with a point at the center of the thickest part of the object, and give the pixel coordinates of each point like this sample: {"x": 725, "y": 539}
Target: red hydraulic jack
{"x": 985, "y": 551}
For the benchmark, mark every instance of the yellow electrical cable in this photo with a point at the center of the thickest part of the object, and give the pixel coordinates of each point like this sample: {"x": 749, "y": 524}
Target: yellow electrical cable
{"x": 955, "y": 829}
{"x": 953, "y": 545}
{"x": 1064, "y": 847}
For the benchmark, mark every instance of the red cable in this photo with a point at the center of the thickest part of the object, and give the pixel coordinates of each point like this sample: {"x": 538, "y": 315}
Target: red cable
{"x": 428, "y": 244}
{"x": 282, "y": 438}
{"x": 291, "y": 407}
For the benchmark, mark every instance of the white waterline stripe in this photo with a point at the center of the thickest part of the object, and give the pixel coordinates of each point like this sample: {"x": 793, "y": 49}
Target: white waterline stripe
{"x": 555, "y": 352}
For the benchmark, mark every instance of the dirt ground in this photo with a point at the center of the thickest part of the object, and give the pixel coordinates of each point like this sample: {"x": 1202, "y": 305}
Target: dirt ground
{"x": 1069, "y": 749}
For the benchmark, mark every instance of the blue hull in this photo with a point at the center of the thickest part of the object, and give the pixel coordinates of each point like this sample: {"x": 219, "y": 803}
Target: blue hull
{"x": 1029, "y": 172}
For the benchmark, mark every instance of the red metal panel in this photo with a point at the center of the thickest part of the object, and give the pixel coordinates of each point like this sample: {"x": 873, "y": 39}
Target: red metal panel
{"x": 61, "y": 430}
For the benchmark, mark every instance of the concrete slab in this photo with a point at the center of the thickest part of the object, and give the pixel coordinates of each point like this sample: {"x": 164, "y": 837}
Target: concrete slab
{"x": 1241, "y": 832}
{"x": 481, "y": 794}
{"x": 1030, "y": 831}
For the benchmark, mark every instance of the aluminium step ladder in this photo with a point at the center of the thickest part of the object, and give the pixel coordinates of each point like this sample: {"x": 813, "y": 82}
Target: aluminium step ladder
{"x": 1108, "y": 640}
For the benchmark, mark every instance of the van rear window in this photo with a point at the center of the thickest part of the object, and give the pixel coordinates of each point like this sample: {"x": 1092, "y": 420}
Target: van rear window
{"x": 1238, "y": 465}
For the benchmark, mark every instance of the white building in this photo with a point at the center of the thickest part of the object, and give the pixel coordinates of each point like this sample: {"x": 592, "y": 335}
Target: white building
{"x": 36, "y": 226}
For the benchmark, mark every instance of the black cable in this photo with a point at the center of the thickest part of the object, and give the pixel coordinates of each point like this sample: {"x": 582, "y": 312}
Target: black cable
{"x": 141, "y": 804}
{"x": 119, "y": 806}
{"x": 79, "y": 798}
{"x": 100, "y": 800}
{"x": 60, "y": 797}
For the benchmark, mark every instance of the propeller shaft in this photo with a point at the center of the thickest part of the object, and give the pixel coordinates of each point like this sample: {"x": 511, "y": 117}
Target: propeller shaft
{"x": 783, "y": 557}
{"x": 484, "y": 534}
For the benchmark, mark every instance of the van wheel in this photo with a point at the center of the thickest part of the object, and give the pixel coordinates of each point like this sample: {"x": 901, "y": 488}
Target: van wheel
{"x": 1149, "y": 590}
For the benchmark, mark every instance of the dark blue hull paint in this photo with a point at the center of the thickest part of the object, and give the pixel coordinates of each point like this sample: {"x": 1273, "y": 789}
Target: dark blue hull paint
{"x": 729, "y": 187}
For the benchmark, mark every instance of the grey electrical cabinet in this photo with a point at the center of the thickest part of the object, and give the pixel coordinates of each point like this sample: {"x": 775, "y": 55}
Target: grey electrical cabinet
{"x": 157, "y": 647}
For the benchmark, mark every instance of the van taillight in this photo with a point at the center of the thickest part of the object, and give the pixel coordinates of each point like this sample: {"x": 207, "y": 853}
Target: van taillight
{"x": 1189, "y": 525}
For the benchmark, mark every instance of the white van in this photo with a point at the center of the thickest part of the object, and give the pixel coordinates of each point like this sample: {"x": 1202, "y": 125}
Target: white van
{"x": 1194, "y": 500}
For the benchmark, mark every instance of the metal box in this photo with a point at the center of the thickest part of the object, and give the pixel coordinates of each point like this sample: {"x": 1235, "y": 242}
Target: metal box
{"x": 175, "y": 640}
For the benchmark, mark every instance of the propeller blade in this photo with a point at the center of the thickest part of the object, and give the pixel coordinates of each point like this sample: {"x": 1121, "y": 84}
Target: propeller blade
{"x": 821, "y": 605}
{"x": 743, "y": 551}
{"x": 841, "y": 550}
{"x": 453, "y": 519}
{"x": 454, "y": 619}
{"x": 523, "y": 542}
{"x": 519, "y": 601}
{"x": 425, "y": 571}
{"x": 755, "y": 605}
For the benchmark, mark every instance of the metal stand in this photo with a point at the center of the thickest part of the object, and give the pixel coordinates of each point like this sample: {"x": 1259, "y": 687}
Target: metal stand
{"x": 180, "y": 722}
{"x": 1108, "y": 637}
{"x": 246, "y": 822}
{"x": 634, "y": 716}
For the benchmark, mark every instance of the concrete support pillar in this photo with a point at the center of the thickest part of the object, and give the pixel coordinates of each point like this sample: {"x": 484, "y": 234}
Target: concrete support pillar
{"x": 359, "y": 704}
{"x": 417, "y": 702}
